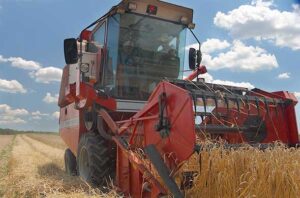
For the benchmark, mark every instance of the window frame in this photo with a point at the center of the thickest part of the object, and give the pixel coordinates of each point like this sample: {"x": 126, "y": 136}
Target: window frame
{"x": 100, "y": 24}
{"x": 103, "y": 63}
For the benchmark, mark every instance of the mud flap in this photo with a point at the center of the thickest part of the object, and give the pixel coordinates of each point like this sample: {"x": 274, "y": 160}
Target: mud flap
{"x": 162, "y": 170}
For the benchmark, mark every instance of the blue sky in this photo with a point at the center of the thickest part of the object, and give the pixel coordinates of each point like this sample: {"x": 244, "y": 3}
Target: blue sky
{"x": 250, "y": 43}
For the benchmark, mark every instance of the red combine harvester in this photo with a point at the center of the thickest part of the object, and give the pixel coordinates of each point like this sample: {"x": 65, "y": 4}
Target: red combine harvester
{"x": 126, "y": 113}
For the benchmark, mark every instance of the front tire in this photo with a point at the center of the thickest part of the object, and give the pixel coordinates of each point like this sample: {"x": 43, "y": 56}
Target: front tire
{"x": 95, "y": 160}
{"x": 70, "y": 163}
{"x": 90, "y": 119}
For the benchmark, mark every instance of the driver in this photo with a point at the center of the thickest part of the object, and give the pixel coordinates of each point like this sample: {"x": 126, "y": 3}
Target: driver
{"x": 165, "y": 46}
{"x": 127, "y": 69}
{"x": 126, "y": 57}
{"x": 167, "y": 56}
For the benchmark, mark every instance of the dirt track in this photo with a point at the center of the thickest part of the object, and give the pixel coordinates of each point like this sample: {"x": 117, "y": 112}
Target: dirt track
{"x": 35, "y": 169}
{"x": 5, "y": 148}
{"x": 5, "y": 140}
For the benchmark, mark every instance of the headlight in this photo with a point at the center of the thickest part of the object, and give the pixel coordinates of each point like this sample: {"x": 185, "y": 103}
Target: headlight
{"x": 85, "y": 67}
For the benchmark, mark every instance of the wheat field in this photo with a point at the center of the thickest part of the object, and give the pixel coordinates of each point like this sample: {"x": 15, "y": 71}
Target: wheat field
{"x": 32, "y": 166}
{"x": 246, "y": 172}
{"x": 35, "y": 168}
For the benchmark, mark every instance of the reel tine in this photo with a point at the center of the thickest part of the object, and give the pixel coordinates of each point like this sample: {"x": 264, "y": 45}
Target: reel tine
{"x": 204, "y": 104}
{"x": 275, "y": 103}
{"x": 195, "y": 103}
{"x": 202, "y": 118}
{"x": 238, "y": 105}
{"x": 227, "y": 104}
{"x": 248, "y": 104}
{"x": 267, "y": 106}
{"x": 282, "y": 108}
{"x": 210, "y": 118}
{"x": 257, "y": 105}
{"x": 216, "y": 103}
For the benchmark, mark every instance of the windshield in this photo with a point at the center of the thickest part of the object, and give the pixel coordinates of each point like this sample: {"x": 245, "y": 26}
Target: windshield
{"x": 141, "y": 52}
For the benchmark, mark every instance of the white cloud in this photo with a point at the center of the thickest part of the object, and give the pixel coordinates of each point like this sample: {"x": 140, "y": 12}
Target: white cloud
{"x": 7, "y": 110}
{"x": 2, "y": 59}
{"x": 12, "y": 116}
{"x": 210, "y": 79}
{"x": 284, "y": 75}
{"x": 297, "y": 94}
{"x": 56, "y": 115}
{"x": 241, "y": 58}
{"x": 195, "y": 45}
{"x": 234, "y": 84}
{"x": 37, "y": 115}
{"x": 24, "y": 64}
{"x": 38, "y": 72}
{"x": 212, "y": 45}
{"x": 50, "y": 99}
{"x": 261, "y": 21}
{"x": 21, "y": 63}
{"x": 47, "y": 75}
{"x": 262, "y": 2}
{"x": 6, "y": 120}
{"x": 11, "y": 86}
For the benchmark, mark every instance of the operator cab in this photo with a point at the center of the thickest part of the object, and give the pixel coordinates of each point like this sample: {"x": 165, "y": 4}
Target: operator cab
{"x": 133, "y": 47}
{"x": 141, "y": 51}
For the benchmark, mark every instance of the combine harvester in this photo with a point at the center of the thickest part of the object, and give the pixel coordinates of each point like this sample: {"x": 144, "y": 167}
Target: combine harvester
{"x": 126, "y": 113}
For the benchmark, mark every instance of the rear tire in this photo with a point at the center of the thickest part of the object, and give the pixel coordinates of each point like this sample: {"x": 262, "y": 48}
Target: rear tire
{"x": 95, "y": 160}
{"x": 70, "y": 163}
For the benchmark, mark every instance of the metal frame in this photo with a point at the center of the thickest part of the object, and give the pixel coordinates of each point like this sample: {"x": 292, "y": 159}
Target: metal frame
{"x": 162, "y": 133}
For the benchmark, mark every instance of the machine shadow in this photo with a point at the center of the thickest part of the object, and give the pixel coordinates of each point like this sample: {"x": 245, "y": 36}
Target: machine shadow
{"x": 53, "y": 172}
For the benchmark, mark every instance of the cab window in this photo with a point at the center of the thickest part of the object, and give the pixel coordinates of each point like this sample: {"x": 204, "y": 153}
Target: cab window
{"x": 99, "y": 36}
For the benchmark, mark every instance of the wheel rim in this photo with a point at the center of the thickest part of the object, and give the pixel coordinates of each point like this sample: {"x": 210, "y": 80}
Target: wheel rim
{"x": 84, "y": 164}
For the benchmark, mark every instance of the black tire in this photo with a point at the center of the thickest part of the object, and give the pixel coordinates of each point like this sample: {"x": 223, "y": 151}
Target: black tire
{"x": 70, "y": 163}
{"x": 90, "y": 119}
{"x": 95, "y": 160}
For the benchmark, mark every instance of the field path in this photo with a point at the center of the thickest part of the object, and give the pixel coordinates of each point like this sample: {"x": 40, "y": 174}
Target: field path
{"x": 36, "y": 169}
{"x": 5, "y": 140}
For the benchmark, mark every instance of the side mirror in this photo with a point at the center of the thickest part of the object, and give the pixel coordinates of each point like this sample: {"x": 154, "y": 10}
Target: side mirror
{"x": 199, "y": 58}
{"x": 71, "y": 51}
{"x": 192, "y": 58}
{"x": 195, "y": 58}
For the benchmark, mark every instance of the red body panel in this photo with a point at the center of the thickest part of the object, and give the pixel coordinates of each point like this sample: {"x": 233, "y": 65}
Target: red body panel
{"x": 180, "y": 143}
{"x": 181, "y": 115}
{"x": 133, "y": 175}
{"x": 168, "y": 119}
{"x": 71, "y": 126}
{"x": 281, "y": 124}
